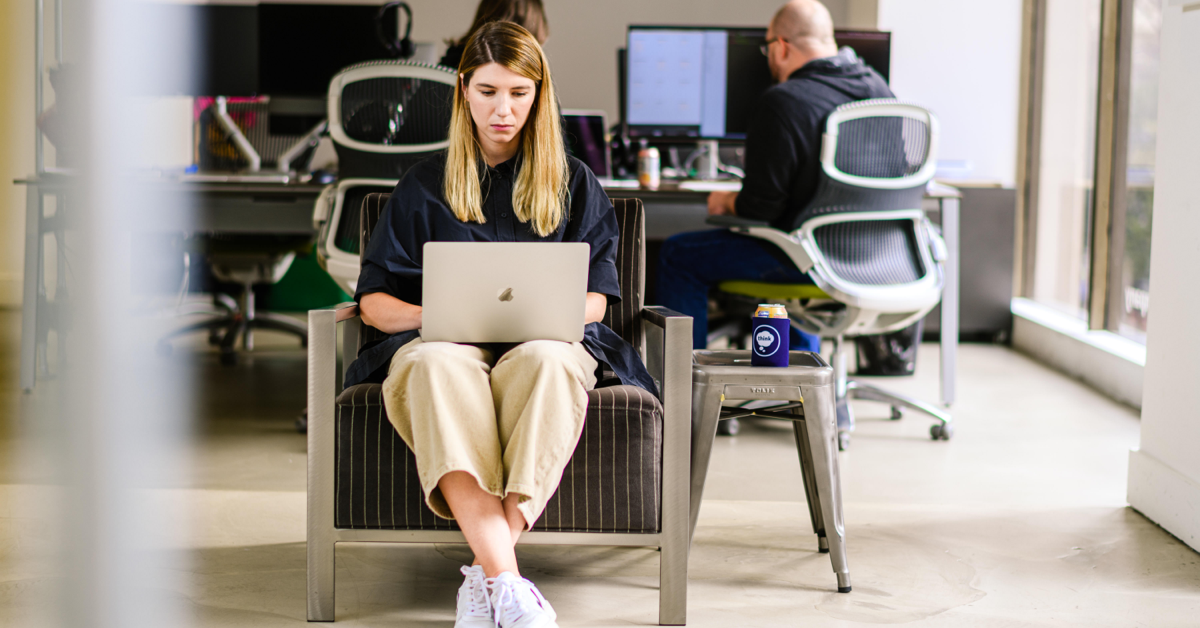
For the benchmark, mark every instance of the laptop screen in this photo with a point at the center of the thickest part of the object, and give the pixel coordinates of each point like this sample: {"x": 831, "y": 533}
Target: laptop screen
{"x": 585, "y": 139}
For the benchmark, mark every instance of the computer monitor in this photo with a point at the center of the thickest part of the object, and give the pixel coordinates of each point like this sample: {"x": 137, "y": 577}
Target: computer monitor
{"x": 301, "y": 46}
{"x": 200, "y": 49}
{"x": 693, "y": 82}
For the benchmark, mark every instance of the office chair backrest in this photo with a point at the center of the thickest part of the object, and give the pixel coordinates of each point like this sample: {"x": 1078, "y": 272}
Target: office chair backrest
{"x": 385, "y": 116}
{"x": 623, "y": 318}
{"x": 876, "y": 158}
{"x": 876, "y": 155}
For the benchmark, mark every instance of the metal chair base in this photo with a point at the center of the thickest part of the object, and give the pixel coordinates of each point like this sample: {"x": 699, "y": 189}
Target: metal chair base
{"x": 855, "y": 389}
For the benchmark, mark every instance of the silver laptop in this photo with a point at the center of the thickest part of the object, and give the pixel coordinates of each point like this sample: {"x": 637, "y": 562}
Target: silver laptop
{"x": 476, "y": 292}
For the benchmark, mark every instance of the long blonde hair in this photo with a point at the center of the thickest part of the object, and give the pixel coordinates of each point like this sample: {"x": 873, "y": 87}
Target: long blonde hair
{"x": 540, "y": 193}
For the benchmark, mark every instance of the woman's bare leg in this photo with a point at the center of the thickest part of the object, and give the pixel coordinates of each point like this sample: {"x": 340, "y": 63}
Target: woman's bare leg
{"x": 516, "y": 520}
{"x": 484, "y": 522}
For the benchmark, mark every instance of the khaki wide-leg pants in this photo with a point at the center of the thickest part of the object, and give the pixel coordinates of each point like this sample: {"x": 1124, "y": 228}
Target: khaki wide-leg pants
{"x": 512, "y": 423}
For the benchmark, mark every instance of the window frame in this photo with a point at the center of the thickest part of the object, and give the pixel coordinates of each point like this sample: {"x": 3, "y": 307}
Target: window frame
{"x": 1106, "y": 236}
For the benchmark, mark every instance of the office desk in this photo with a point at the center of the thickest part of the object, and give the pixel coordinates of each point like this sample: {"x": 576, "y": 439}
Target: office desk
{"x": 671, "y": 211}
{"x": 274, "y": 208}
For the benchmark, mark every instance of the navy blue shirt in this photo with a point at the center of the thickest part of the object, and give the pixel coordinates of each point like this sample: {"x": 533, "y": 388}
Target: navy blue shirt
{"x": 418, "y": 213}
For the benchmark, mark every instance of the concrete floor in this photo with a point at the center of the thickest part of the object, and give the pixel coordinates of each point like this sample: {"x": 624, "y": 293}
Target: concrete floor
{"x": 1020, "y": 520}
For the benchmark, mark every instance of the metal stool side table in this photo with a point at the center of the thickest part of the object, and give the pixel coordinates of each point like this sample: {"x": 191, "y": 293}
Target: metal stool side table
{"x": 807, "y": 383}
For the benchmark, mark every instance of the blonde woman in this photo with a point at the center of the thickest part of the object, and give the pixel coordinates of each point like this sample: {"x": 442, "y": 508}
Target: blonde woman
{"x": 492, "y": 426}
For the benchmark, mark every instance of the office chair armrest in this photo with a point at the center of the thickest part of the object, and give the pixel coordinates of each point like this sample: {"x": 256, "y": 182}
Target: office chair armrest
{"x": 789, "y": 244}
{"x": 735, "y": 221}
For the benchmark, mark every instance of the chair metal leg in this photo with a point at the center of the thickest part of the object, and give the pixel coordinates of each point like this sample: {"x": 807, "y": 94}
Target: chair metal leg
{"x": 267, "y": 320}
{"x": 804, "y": 450}
{"x": 322, "y": 389}
{"x": 675, "y": 539}
{"x": 861, "y": 390}
{"x": 821, "y": 426}
{"x": 672, "y": 574}
{"x": 32, "y": 287}
{"x": 845, "y": 414}
{"x": 706, "y": 413}
{"x": 216, "y": 322}
{"x": 248, "y": 315}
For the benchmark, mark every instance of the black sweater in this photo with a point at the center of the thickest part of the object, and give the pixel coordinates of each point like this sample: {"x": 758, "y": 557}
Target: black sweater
{"x": 783, "y": 143}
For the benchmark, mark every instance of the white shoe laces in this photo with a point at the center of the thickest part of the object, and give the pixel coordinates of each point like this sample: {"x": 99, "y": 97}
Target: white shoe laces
{"x": 478, "y": 602}
{"x": 515, "y": 597}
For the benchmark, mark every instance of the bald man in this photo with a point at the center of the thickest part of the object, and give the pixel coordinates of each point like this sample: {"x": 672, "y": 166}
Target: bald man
{"x": 783, "y": 147}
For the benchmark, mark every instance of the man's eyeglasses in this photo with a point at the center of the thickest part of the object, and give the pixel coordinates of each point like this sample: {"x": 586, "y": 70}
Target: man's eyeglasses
{"x": 765, "y": 47}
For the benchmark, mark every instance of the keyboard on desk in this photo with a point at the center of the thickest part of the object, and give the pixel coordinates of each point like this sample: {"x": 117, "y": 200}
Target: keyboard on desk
{"x": 726, "y": 185}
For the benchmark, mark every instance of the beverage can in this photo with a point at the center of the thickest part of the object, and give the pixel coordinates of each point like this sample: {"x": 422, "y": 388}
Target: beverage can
{"x": 649, "y": 168}
{"x": 769, "y": 329}
{"x": 771, "y": 310}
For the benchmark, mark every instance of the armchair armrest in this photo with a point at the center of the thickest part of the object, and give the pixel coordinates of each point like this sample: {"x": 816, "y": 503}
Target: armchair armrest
{"x": 668, "y": 339}
{"x": 791, "y": 245}
{"x": 322, "y": 353}
{"x": 322, "y": 391}
{"x": 669, "y": 360}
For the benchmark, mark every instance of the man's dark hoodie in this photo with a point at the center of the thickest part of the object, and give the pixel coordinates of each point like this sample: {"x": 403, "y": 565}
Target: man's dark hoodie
{"x": 783, "y": 143}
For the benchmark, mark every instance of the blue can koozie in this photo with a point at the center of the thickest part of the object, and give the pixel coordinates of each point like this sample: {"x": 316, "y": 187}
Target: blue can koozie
{"x": 769, "y": 341}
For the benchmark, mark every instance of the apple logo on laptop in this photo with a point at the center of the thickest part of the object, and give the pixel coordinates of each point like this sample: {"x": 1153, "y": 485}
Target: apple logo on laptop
{"x": 506, "y": 295}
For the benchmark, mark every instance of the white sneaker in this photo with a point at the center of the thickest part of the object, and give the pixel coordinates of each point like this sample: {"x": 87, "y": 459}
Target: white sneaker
{"x": 518, "y": 603}
{"x": 474, "y": 600}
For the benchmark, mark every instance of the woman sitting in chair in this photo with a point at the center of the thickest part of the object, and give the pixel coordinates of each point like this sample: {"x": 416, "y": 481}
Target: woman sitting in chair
{"x": 492, "y": 426}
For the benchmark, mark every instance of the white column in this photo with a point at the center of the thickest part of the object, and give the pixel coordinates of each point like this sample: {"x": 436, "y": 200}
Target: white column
{"x": 1164, "y": 473}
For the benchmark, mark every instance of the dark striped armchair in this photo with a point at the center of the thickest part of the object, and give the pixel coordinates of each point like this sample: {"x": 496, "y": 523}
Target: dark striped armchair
{"x": 626, "y": 485}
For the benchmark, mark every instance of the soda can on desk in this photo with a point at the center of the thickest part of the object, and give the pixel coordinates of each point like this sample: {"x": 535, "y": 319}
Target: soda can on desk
{"x": 649, "y": 168}
{"x": 769, "y": 335}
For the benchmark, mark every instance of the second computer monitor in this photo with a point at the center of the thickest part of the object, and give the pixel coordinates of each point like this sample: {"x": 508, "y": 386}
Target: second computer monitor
{"x": 694, "y": 83}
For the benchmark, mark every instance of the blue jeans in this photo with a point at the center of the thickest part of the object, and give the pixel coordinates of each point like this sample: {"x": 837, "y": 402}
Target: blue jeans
{"x": 693, "y": 263}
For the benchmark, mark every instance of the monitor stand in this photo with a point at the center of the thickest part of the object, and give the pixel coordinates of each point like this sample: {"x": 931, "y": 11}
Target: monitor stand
{"x": 708, "y": 166}
{"x": 309, "y": 140}
{"x": 235, "y": 135}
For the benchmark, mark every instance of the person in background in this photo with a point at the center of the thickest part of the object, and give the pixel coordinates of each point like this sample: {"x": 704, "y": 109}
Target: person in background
{"x": 783, "y": 147}
{"x": 526, "y": 13}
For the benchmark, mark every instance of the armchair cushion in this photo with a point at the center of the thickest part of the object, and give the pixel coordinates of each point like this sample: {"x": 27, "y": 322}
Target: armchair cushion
{"x": 611, "y": 484}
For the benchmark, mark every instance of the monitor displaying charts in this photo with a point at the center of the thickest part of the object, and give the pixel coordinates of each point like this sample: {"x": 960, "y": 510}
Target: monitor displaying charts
{"x": 703, "y": 82}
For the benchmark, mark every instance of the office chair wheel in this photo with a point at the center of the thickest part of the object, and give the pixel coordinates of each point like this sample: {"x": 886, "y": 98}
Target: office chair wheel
{"x": 214, "y": 337}
{"x": 843, "y": 441}
{"x": 728, "y": 427}
{"x": 897, "y": 413}
{"x": 940, "y": 431}
{"x": 229, "y": 358}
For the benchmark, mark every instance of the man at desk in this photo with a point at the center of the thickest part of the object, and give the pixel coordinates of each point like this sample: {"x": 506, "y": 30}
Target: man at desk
{"x": 783, "y": 147}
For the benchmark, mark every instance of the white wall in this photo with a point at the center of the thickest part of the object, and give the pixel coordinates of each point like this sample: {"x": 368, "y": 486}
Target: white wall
{"x": 961, "y": 58}
{"x": 1164, "y": 474}
{"x": 585, "y": 34}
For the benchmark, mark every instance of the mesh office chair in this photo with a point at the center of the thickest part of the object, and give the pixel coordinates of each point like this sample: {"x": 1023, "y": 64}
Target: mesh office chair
{"x": 627, "y": 484}
{"x": 336, "y": 220}
{"x": 384, "y": 116}
{"x": 873, "y": 256}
